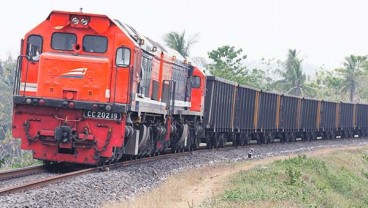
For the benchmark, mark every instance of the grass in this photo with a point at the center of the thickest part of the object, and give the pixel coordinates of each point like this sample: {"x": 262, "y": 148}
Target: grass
{"x": 339, "y": 179}
{"x": 170, "y": 193}
{"x": 25, "y": 159}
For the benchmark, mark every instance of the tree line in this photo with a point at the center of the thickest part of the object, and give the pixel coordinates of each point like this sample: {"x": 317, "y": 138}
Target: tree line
{"x": 346, "y": 83}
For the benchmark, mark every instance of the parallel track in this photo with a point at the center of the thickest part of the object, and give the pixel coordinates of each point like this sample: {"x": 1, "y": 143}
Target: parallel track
{"x": 21, "y": 172}
{"x": 52, "y": 179}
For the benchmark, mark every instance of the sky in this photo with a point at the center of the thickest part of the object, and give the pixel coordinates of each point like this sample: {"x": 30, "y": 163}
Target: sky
{"x": 324, "y": 32}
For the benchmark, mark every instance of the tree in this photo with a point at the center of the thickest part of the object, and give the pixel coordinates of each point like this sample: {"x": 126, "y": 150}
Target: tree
{"x": 328, "y": 83}
{"x": 6, "y": 84}
{"x": 1, "y": 69}
{"x": 293, "y": 80}
{"x": 228, "y": 63}
{"x": 10, "y": 152}
{"x": 178, "y": 42}
{"x": 351, "y": 74}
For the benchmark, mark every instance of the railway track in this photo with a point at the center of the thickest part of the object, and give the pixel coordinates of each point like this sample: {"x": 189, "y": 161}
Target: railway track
{"x": 21, "y": 172}
{"x": 73, "y": 173}
{"x": 64, "y": 176}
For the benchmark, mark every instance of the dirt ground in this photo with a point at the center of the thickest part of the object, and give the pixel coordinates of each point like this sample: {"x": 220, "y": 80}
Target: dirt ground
{"x": 192, "y": 188}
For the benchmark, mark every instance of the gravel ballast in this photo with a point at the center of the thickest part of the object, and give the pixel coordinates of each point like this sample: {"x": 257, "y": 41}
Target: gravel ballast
{"x": 96, "y": 189}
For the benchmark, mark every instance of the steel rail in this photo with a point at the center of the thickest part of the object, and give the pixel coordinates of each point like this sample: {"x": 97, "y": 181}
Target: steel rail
{"x": 16, "y": 173}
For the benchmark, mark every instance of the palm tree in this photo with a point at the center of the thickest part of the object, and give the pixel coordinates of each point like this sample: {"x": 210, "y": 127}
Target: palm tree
{"x": 177, "y": 41}
{"x": 351, "y": 74}
{"x": 293, "y": 79}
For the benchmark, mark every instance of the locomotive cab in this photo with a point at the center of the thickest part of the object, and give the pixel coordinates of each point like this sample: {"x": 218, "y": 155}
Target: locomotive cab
{"x": 66, "y": 104}
{"x": 198, "y": 84}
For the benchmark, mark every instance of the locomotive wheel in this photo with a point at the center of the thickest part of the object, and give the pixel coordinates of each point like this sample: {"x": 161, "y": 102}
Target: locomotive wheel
{"x": 221, "y": 145}
{"x": 307, "y": 136}
{"x": 208, "y": 143}
{"x": 329, "y": 135}
{"x": 348, "y": 134}
{"x": 191, "y": 147}
{"x": 214, "y": 142}
{"x": 235, "y": 140}
{"x": 196, "y": 144}
{"x": 241, "y": 139}
{"x": 217, "y": 142}
{"x": 343, "y": 134}
{"x": 46, "y": 162}
{"x": 247, "y": 139}
{"x": 325, "y": 135}
{"x": 266, "y": 138}
{"x": 259, "y": 138}
{"x": 270, "y": 138}
{"x": 222, "y": 141}
{"x": 292, "y": 137}
{"x": 286, "y": 137}
{"x": 333, "y": 135}
{"x": 282, "y": 138}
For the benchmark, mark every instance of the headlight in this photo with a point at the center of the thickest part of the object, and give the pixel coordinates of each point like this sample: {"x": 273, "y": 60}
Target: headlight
{"x": 84, "y": 21}
{"x": 108, "y": 108}
{"x": 28, "y": 101}
{"x": 75, "y": 20}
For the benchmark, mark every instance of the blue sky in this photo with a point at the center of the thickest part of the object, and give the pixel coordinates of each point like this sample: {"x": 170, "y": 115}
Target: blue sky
{"x": 323, "y": 31}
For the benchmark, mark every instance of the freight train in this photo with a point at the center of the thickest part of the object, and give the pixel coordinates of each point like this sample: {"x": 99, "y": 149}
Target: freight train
{"x": 90, "y": 89}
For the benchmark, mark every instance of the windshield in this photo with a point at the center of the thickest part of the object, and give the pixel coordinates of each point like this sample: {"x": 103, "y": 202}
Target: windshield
{"x": 63, "y": 41}
{"x": 94, "y": 44}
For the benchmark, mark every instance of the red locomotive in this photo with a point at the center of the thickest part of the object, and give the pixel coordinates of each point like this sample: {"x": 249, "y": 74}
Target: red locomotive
{"x": 91, "y": 89}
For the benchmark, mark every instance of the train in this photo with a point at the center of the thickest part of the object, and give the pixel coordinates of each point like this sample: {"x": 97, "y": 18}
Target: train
{"x": 90, "y": 89}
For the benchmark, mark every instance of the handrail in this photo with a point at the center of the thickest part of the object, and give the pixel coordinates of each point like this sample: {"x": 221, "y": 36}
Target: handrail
{"x": 16, "y": 83}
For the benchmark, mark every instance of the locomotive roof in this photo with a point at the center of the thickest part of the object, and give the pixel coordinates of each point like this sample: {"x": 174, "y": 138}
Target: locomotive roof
{"x": 148, "y": 45}
{"x": 76, "y": 13}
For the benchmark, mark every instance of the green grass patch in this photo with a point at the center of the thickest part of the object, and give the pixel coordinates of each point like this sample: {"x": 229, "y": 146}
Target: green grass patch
{"x": 336, "y": 180}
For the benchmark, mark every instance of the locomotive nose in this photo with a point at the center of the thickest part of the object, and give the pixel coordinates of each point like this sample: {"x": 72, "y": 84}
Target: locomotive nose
{"x": 82, "y": 78}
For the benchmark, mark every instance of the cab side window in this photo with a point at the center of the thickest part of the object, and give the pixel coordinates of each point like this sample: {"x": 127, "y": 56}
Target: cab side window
{"x": 34, "y": 47}
{"x": 195, "y": 82}
{"x": 123, "y": 57}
